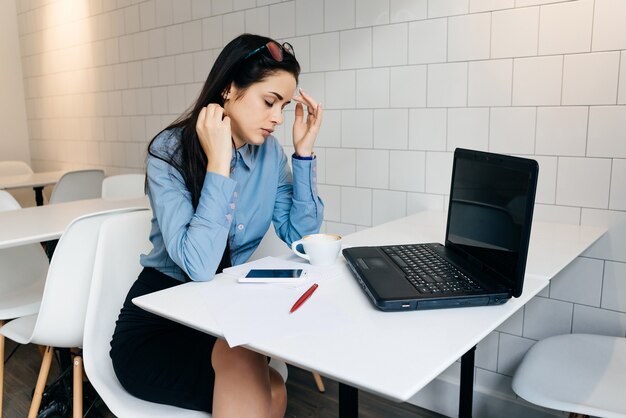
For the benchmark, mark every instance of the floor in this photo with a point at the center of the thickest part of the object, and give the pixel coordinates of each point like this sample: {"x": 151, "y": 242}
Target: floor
{"x": 304, "y": 399}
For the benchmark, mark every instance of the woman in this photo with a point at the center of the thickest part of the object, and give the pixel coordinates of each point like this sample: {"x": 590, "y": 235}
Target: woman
{"x": 216, "y": 178}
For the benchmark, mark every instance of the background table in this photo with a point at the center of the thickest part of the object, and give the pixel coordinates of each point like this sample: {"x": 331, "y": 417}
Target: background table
{"x": 395, "y": 354}
{"x": 35, "y": 180}
{"x": 43, "y": 223}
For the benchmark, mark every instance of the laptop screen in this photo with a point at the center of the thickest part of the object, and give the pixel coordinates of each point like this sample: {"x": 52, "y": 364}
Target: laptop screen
{"x": 491, "y": 205}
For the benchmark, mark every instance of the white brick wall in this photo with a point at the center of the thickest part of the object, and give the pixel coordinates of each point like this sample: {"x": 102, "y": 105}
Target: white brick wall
{"x": 403, "y": 82}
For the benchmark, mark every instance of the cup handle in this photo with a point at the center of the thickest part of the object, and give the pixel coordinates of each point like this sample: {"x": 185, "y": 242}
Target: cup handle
{"x": 298, "y": 253}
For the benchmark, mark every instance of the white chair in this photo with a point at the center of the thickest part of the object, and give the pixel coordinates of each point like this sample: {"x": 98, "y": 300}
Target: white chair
{"x": 13, "y": 168}
{"x": 61, "y": 317}
{"x": 578, "y": 373}
{"x": 8, "y": 202}
{"x": 122, "y": 239}
{"x": 78, "y": 185}
{"x": 9, "y": 168}
{"x": 270, "y": 245}
{"x": 22, "y": 277}
{"x": 123, "y": 186}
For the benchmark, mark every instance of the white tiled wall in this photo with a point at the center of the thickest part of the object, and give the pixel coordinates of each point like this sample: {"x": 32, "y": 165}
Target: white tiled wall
{"x": 403, "y": 82}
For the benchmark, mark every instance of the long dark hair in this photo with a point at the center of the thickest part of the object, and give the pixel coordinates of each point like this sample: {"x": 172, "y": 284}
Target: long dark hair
{"x": 231, "y": 66}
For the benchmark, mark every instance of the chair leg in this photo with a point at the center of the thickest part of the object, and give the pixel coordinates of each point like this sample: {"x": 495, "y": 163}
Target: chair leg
{"x": 41, "y": 382}
{"x": 318, "y": 382}
{"x": 42, "y": 350}
{"x": 1, "y": 368}
{"x": 77, "y": 403}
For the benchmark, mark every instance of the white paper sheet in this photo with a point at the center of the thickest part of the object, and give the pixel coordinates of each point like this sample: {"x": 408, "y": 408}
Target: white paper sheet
{"x": 252, "y": 312}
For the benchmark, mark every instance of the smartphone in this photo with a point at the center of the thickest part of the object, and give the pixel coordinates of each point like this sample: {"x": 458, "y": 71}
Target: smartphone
{"x": 272, "y": 276}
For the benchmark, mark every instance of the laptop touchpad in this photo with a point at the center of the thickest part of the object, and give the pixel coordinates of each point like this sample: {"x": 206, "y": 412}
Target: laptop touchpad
{"x": 375, "y": 263}
{"x": 385, "y": 280}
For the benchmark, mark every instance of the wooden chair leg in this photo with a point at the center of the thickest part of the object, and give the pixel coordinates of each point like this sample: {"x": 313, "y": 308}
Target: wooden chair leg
{"x": 318, "y": 382}
{"x": 1, "y": 368}
{"x": 41, "y": 382}
{"x": 77, "y": 403}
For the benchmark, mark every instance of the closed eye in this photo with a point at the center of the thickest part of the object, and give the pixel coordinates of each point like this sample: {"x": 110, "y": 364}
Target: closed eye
{"x": 268, "y": 104}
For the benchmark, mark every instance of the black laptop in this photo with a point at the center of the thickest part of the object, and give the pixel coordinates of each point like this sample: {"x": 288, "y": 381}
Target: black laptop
{"x": 492, "y": 197}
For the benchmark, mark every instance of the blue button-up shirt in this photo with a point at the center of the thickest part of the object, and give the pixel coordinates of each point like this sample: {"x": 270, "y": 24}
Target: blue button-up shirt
{"x": 240, "y": 208}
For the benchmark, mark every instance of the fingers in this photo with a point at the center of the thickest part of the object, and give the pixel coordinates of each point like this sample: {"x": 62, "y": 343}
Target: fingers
{"x": 299, "y": 112}
{"x": 215, "y": 112}
{"x": 210, "y": 120}
{"x": 307, "y": 100}
{"x": 214, "y": 134}
{"x": 315, "y": 113}
{"x": 211, "y": 114}
{"x": 201, "y": 118}
{"x": 319, "y": 115}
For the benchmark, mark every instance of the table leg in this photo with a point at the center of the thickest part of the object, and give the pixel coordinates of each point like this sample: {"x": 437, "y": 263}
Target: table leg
{"x": 38, "y": 195}
{"x": 466, "y": 387}
{"x": 348, "y": 401}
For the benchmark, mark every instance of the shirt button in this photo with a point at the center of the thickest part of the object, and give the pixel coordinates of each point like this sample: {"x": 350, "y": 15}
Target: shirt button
{"x": 240, "y": 227}
{"x": 232, "y": 206}
{"x": 229, "y": 217}
{"x": 314, "y": 168}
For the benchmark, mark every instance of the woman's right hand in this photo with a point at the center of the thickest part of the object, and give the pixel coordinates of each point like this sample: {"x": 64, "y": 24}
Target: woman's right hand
{"x": 213, "y": 129}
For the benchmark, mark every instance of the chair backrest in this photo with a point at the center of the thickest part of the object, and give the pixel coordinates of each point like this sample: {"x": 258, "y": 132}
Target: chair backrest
{"x": 121, "y": 240}
{"x": 78, "y": 185}
{"x": 61, "y": 318}
{"x": 270, "y": 245}
{"x": 8, "y": 202}
{"x": 123, "y": 186}
{"x": 21, "y": 268}
{"x": 9, "y": 168}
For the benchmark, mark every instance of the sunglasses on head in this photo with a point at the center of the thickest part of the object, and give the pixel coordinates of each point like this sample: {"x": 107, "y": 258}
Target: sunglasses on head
{"x": 275, "y": 49}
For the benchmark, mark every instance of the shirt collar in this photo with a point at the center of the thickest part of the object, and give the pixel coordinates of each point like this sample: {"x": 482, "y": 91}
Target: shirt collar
{"x": 247, "y": 154}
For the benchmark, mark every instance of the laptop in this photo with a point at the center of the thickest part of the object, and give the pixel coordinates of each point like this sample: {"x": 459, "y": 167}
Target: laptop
{"x": 483, "y": 259}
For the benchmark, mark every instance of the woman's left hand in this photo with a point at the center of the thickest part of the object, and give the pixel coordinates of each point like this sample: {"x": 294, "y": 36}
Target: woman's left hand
{"x": 305, "y": 131}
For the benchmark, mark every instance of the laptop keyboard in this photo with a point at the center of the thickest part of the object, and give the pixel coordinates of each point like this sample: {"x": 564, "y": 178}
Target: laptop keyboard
{"x": 428, "y": 272}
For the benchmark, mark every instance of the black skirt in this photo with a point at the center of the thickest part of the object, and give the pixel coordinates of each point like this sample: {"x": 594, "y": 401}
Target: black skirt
{"x": 159, "y": 360}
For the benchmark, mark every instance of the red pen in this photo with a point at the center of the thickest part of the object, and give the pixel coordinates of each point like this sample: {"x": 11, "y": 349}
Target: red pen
{"x": 303, "y": 298}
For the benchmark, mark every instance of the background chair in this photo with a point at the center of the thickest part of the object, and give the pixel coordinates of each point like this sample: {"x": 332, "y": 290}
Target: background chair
{"x": 8, "y": 202}
{"x": 74, "y": 185}
{"x": 22, "y": 277}
{"x": 578, "y": 373}
{"x": 78, "y": 185}
{"x": 123, "y": 186}
{"x": 122, "y": 239}
{"x": 9, "y": 168}
{"x": 61, "y": 317}
{"x": 24, "y": 196}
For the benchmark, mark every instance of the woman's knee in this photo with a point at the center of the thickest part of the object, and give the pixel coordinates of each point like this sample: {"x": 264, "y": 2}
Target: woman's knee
{"x": 278, "y": 394}
{"x": 225, "y": 358}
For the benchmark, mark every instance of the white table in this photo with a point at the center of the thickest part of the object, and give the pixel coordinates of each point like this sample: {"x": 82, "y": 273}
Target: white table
{"x": 44, "y": 223}
{"x": 35, "y": 180}
{"x": 393, "y": 355}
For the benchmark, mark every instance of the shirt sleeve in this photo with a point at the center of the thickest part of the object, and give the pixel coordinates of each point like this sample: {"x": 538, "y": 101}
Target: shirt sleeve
{"x": 298, "y": 210}
{"x": 194, "y": 239}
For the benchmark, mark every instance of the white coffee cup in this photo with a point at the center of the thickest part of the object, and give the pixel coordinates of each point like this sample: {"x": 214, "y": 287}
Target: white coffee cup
{"x": 320, "y": 249}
